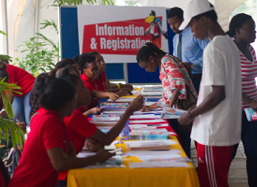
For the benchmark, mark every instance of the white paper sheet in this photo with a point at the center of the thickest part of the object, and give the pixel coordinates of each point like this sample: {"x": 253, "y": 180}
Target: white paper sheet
{"x": 149, "y": 143}
{"x": 148, "y": 121}
{"x": 161, "y": 164}
{"x": 146, "y": 116}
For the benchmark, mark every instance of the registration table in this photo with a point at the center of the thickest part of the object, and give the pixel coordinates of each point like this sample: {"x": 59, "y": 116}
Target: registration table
{"x": 138, "y": 177}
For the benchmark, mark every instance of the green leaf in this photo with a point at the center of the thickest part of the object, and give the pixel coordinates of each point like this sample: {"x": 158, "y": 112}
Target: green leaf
{"x": 5, "y": 57}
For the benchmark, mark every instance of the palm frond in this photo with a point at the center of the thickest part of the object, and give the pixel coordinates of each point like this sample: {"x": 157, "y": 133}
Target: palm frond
{"x": 5, "y": 57}
{"x": 50, "y": 23}
{"x": 16, "y": 132}
{"x": 41, "y": 36}
{"x": 5, "y": 89}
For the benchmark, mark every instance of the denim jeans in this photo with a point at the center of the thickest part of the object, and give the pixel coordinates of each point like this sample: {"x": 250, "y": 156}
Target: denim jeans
{"x": 21, "y": 109}
{"x": 249, "y": 139}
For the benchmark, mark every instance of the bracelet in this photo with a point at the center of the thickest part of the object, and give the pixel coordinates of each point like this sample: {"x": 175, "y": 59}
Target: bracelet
{"x": 190, "y": 115}
{"x": 118, "y": 85}
{"x": 3, "y": 110}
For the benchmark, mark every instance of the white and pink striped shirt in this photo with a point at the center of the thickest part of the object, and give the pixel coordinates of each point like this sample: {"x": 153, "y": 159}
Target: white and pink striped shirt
{"x": 249, "y": 72}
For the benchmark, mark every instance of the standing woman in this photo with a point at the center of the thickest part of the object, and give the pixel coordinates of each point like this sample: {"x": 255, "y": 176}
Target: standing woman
{"x": 178, "y": 88}
{"x": 242, "y": 28}
{"x": 20, "y": 104}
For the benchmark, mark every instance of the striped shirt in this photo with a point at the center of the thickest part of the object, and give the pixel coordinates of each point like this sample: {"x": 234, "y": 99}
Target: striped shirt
{"x": 249, "y": 72}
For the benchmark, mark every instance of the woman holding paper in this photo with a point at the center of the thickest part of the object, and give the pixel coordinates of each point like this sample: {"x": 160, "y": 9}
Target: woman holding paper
{"x": 178, "y": 88}
{"x": 242, "y": 28}
{"x": 173, "y": 74}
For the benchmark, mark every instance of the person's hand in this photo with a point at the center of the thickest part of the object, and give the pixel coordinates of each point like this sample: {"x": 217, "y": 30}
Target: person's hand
{"x": 128, "y": 86}
{"x": 122, "y": 93}
{"x": 95, "y": 110}
{"x": 165, "y": 35}
{"x": 113, "y": 96}
{"x": 22, "y": 125}
{"x": 188, "y": 66}
{"x": 103, "y": 155}
{"x": 184, "y": 119}
{"x": 3, "y": 113}
{"x": 136, "y": 104}
{"x": 93, "y": 146}
{"x": 145, "y": 109}
{"x": 253, "y": 104}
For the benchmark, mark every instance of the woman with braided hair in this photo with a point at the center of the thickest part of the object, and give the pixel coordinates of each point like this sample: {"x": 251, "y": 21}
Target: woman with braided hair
{"x": 178, "y": 88}
{"x": 242, "y": 29}
{"x": 37, "y": 90}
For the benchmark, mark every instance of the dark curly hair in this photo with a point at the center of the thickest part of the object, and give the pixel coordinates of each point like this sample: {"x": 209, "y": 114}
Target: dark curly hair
{"x": 57, "y": 93}
{"x": 64, "y": 62}
{"x": 37, "y": 90}
{"x": 84, "y": 60}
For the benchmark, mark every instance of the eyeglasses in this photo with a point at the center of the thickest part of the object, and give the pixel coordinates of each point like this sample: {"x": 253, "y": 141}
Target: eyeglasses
{"x": 93, "y": 70}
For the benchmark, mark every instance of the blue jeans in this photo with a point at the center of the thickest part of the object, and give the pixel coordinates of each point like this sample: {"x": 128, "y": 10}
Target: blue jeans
{"x": 249, "y": 139}
{"x": 21, "y": 109}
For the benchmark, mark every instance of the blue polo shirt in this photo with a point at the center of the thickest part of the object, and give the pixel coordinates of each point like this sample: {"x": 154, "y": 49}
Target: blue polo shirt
{"x": 191, "y": 50}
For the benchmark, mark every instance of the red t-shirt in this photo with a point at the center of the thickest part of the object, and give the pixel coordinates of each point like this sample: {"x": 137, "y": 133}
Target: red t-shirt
{"x": 100, "y": 85}
{"x": 35, "y": 167}
{"x": 78, "y": 129}
{"x": 22, "y": 78}
{"x": 90, "y": 86}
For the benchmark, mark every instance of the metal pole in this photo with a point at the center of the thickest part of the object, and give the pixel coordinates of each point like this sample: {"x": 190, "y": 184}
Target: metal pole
{"x": 125, "y": 69}
{"x": 60, "y": 33}
{"x": 37, "y": 17}
{"x": 4, "y": 3}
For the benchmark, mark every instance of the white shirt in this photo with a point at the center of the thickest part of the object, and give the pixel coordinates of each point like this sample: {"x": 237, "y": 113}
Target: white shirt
{"x": 220, "y": 126}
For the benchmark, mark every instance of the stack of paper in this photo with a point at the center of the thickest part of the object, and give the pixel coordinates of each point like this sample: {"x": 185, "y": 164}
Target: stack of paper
{"x": 114, "y": 106}
{"x": 152, "y": 92}
{"x": 122, "y": 100}
{"x": 104, "y": 119}
{"x": 148, "y": 156}
{"x": 171, "y": 113}
{"x": 161, "y": 164}
{"x": 150, "y": 144}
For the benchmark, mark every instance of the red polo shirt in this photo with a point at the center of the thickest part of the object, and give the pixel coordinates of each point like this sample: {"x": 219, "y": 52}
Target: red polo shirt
{"x": 90, "y": 86}
{"x": 22, "y": 78}
{"x": 78, "y": 129}
{"x": 35, "y": 167}
{"x": 100, "y": 85}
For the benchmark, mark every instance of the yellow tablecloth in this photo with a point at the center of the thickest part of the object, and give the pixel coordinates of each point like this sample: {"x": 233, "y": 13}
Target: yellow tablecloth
{"x": 141, "y": 177}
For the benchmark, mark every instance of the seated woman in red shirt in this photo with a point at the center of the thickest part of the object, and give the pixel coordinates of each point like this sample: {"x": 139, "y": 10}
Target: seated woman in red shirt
{"x": 102, "y": 82}
{"x": 89, "y": 72}
{"x": 48, "y": 149}
{"x": 20, "y": 104}
{"x": 79, "y": 128}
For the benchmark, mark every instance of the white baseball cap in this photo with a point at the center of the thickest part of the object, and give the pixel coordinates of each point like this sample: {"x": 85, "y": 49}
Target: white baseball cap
{"x": 195, "y": 7}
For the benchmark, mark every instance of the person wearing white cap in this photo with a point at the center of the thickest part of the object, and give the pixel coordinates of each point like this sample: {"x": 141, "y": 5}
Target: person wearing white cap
{"x": 217, "y": 115}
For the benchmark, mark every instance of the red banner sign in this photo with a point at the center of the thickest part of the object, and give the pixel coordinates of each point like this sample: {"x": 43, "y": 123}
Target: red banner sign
{"x": 120, "y": 37}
